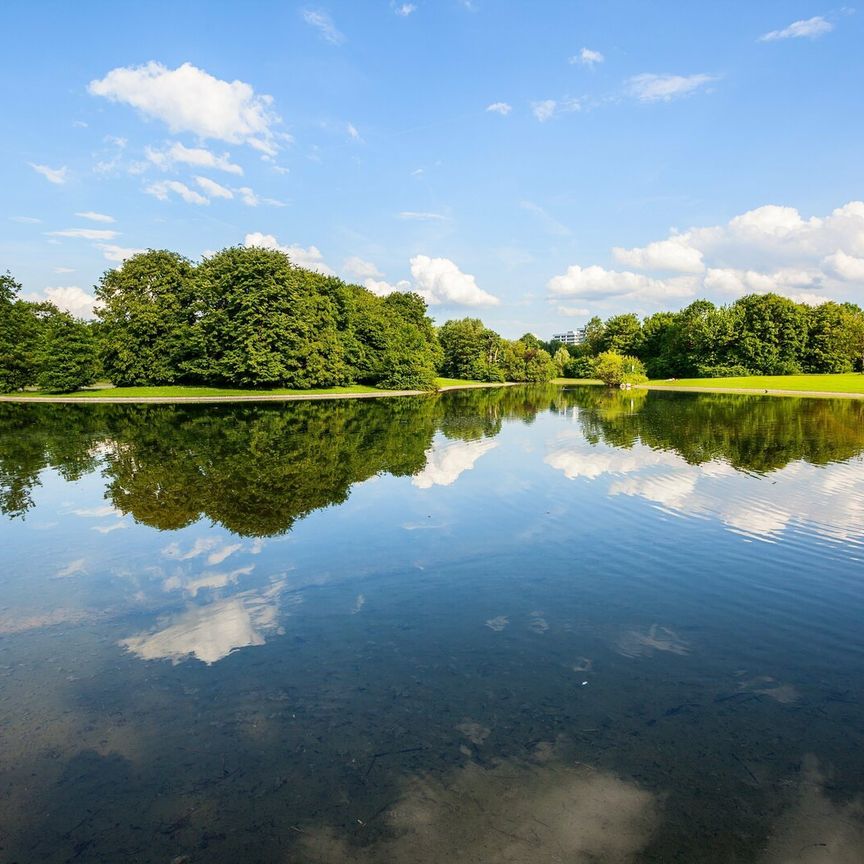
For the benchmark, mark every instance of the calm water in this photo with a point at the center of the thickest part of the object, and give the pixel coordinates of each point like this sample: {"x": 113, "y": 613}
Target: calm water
{"x": 518, "y": 625}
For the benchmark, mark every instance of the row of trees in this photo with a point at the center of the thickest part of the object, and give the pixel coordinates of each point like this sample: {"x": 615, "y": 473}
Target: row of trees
{"x": 758, "y": 334}
{"x": 247, "y": 317}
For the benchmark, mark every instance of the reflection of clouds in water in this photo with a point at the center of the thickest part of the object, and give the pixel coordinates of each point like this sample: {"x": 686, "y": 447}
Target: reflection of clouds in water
{"x": 498, "y": 624}
{"x": 537, "y": 811}
{"x": 107, "y": 529}
{"x": 643, "y": 643}
{"x": 98, "y": 512}
{"x": 359, "y": 603}
{"x": 537, "y": 622}
{"x": 209, "y": 633}
{"x": 823, "y": 498}
{"x": 764, "y": 685}
{"x": 73, "y": 568}
{"x": 445, "y": 462}
{"x": 815, "y": 829}
{"x": 204, "y": 580}
{"x": 220, "y": 555}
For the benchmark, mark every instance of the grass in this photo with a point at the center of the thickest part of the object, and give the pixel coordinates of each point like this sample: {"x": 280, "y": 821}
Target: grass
{"x": 590, "y": 381}
{"x": 174, "y": 392}
{"x": 850, "y": 382}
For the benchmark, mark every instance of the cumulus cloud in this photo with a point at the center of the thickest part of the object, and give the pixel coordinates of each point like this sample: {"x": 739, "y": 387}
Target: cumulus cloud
{"x": 323, "y": 23}
{"x": 810, "y": 28}
{"x": 310, "y": 259}
{"x": 447, "y": 461}
{"x": 381, "y": 288}
{"x": 770, "y": 248}
{"x": 213, "y": 189}
{"x": 353, "y": 134}
{"x": 162, "y": 188}
{"x": 549, "y": 108}
{"x": 403, "y": 10}
{"x": 649, "y": 87}
{"x": 95, "y": 217}
{"x": 440, "y": 281}
{"x": 598, "y": 283}
{"x": 355, "y": 266}
{"x": 501, "y": 108}
{"x": 188, "y": 99}
{"x": 672, "y": 254}
{"x": 52, "y": 175}
{"x": 587, "y": 57}
{"x": 199, "y": 157}
{"x": 69, "y": 298}
{"x": 85, "y": 233}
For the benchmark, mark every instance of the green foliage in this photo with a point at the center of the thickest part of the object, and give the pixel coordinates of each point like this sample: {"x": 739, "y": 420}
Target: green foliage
{"x": 835, "y": 340}
{"x": 67, "y": 356}
{"x": 580, "y": 367}
{"x": 20, "y": 335}
{"x": 471, "y": 351}
{"x": 622, "y": 334}
{"x": 147, "y": 314}
{"x": 722, "y": 371}
{"x": 615, "y": 369}
{"x": 561, "y": 358}
{"x": 771, "y": 334}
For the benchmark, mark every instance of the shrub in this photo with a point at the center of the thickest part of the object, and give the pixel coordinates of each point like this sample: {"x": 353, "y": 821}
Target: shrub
{"x": 614, "y": 369}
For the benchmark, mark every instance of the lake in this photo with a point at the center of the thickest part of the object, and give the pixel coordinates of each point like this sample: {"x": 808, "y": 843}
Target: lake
{"x": 530, "y": 624}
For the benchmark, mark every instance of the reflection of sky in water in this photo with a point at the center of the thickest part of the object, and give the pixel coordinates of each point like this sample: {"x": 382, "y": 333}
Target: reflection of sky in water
{"x": 532, "y": 648}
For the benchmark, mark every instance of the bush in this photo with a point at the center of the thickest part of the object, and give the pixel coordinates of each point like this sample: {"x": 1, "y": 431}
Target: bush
{"x": 580, "y": 367}
{"x": 614, "y": 369}
{"x": 733, "y": 371}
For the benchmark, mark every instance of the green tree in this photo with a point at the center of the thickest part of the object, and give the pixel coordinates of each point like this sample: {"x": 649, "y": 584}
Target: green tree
{"x": 772, "y": 334}
{"x": 835, "y": 338}
{"x": 622, "y": 334}
{"x": 615, "y": 369}
{"x": 20, "y": 334}
{"x": 147, "y": 311}
{"x": 471, "y": 350}
{"x": 67, "y": 356}
{"x": 595, "y": 333}
{"x": 561, "y": 358}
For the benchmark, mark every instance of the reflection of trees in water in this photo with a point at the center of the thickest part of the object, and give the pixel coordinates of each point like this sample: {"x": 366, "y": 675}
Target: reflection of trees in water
{"x": 750, "y": 433}
{"x": 254, "y": 468}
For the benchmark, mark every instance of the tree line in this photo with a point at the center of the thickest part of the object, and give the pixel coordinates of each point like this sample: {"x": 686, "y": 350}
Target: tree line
{"x": 247, "y": 317}
{"x": 759, "y": 334}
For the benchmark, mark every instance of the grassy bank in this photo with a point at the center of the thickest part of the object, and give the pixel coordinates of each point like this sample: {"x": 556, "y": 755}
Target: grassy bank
{"x": 170, "y": 393}
{"x": 851, "y": 383}
{"x": 589, "y": 381}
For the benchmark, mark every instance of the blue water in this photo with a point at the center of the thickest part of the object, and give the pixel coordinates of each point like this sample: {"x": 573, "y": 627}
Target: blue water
{"x": 533, "y": 624}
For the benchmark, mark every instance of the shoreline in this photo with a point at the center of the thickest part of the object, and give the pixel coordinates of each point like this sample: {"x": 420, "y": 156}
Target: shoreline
{"x": 251, "y": 397}
{"x": 749, "y": 391}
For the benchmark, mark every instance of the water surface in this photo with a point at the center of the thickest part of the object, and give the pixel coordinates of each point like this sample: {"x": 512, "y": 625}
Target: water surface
{"x": 530, "y": 624}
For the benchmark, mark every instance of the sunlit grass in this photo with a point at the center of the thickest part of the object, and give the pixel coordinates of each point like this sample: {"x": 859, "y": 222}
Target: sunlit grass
{"x": 851, "y": 382}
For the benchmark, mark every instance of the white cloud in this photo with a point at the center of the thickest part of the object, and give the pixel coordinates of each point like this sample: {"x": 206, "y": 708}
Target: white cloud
{"x": 358, "y": 267}
{"x": 381, "y": 288}
{"x": 573, "y": 311}
{"x": 188, "y": 99}
{"x": 403, "y": 10}
{"x": 811, "y": 28}
{"x": 95, "y": 217}
{"x": 323, "y": 23}
{"x": 599, "y": 283}
{"x": 353, "y": 134}
{"x": 213, "y": 189}
{"x": 502, "y": 108}
{"x": 69, "y": 298}
{"x": 52, "y": 175}
{"x": 420, "y": 216}
{"x": 664, "y": 88}
{"x": 26, "y": 220}
{"x": 199, "y": 157}
{"x": 161, "y": 189}
{"x": 85, "y": 233}
{"x": 672, "y": 254}
{"x": 310, "y": 259}
{"x": 117, "y": 253}
{"x": 587, "y": 57}
{"x": 544, "y": 110}
{"x": 847, "y": 267}
{"x": 440, "y": 281}
{"x": 769, "y": 248}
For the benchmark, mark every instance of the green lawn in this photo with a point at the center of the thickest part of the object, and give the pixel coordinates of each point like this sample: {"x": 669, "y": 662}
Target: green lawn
{"x": 173, "y": 392}
{"x": 851, "y": 382}
{"x": 590, "y": 381}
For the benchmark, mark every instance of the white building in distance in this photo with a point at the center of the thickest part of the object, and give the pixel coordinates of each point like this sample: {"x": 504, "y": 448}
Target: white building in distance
{"x": 570, "y": 337}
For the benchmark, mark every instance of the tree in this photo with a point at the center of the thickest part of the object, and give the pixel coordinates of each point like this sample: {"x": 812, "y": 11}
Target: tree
{"x": 147, "y": 313}
{"x": 20, "y": 333}
{"x": 262, "y": 322}
{"x": 614, "y": 369}
{"x": 594, "y": 335}
{"x": 471, "y": 351}
{"x": 67, "y": 357}
{"x": 835, "y": 338}
{"x": 622, "y": 334}
{"x": 561, "y": 358}
{"x": 772, "y": 334}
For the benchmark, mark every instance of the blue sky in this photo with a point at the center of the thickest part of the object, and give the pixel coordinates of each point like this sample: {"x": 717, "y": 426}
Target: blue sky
{"x": 530, "y": 163}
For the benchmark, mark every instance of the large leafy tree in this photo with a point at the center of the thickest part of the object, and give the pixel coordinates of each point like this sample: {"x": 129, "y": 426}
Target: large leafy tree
{"x": 471, "y": 350}
{"x": 835, "y": 339}
{"x": 772, "y": 334}
{"x": 147, "y": 311}
{"x": 623, "y": 333}
{"x": 20, "y": 334}
{"x": 262, "y": 322}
